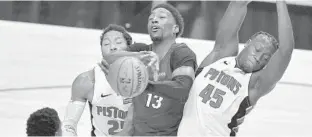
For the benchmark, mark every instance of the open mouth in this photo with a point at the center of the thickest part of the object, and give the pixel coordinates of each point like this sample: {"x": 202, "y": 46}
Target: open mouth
{"x": 155, "y": 29}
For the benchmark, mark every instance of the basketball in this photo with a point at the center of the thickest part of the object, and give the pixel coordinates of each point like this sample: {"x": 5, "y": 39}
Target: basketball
{"x": 128, "y": 76}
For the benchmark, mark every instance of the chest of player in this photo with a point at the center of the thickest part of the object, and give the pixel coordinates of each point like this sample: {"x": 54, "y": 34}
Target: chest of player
{"x": 154, "y": 103}
{"x": 219, "y": 85}
{"x": 110, "y": 105}
{"x": 166, "y": 64}
{"x": 108, "y": 113}
{"x": 165, "y": 70}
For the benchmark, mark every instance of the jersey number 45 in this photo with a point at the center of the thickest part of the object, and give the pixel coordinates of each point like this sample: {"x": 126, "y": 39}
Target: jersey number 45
{"x": 215, "y": 97}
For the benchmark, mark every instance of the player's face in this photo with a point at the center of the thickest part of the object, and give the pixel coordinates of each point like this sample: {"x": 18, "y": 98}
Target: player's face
{"x": 113, "y": 41}
{"x": 161, "y": 24}
{"x": 255, "y": 55}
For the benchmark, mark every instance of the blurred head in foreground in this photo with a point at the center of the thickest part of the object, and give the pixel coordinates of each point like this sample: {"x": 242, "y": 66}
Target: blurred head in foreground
{"x": 44, "y": 122}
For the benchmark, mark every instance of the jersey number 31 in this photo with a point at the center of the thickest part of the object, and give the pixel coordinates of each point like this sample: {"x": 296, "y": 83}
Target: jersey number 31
{"x": 216, "y": 99}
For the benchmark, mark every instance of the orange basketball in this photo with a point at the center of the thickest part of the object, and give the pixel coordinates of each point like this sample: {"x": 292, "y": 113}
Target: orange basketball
{"x": 128, "y": 76}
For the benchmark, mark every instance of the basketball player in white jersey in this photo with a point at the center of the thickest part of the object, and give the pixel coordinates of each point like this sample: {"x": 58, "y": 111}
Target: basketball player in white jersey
{"x": 108, "y": 110}
{"x": 227, "y": 85}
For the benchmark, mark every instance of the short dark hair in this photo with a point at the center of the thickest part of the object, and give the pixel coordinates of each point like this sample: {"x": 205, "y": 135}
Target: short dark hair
{"x": 119, "y": 29}
{"x": 268, "y": 37}
{"x": 176, "y": 14}
{"x": 43, "y": 122}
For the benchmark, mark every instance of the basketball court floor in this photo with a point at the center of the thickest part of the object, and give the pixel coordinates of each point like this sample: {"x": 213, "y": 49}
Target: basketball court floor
{"x": 38, "y": 64}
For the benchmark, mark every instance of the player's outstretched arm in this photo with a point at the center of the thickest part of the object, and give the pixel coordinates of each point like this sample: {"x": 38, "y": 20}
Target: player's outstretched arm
{"x": 227, "y": 33}
{"x": 133, "y": 50}
{"x": 269, "y": 76}
{"x": 110, "y": 58}
{"x": 80, "y": 89}
{"x": 128, "y": 126}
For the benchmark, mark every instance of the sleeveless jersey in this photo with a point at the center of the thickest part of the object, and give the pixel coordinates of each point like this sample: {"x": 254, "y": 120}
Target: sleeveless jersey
{"x": 218, "y": 101}
{"x": 155, "y": 113}
{"x": 108, "y": 110}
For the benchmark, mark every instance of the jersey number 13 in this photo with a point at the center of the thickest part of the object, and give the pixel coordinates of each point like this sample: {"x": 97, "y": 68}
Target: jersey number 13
{"x": 153, "y": 101}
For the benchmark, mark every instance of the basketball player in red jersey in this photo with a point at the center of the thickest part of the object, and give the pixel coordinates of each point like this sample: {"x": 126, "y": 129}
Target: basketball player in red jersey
{"x": 108, "y": 110}
{"x": 158, "y": 110}
{"x": 227, "y": 85}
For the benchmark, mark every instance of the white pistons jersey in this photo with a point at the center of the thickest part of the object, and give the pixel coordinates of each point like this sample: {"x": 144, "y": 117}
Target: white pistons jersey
{"x": 218, "y": 101}
{"x": 108, "y": 110}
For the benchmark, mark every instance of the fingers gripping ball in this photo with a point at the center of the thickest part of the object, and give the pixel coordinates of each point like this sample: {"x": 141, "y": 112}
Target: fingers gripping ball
{"x": 128, "y": 76}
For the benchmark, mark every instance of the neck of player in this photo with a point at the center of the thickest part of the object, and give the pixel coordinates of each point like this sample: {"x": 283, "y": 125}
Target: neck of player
{"x": 162, "y": 47}
{"x": 237, "y": 64}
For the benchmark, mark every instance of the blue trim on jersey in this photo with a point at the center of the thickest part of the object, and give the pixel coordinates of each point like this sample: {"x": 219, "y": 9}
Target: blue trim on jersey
{"x": 93, "y": 128}
{"x": 198, "y": 71}
{"x": 241, "y": 112}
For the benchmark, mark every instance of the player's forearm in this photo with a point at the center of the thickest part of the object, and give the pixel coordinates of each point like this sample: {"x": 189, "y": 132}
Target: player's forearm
{"x": 114, "y": 56}
{"x": 231, "y": 22}
{"x": 285, "y": 30}
{"x": 73, "y": 113}
{"x": 177, "y": 89}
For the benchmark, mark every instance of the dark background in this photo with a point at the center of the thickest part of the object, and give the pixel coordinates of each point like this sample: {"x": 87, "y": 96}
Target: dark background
{"x": 201, "y": 17}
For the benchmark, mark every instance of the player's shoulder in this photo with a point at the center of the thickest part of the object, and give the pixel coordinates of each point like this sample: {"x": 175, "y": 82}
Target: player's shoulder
{"x": 221, "y": 61}
{"x": 182, "y": 55}
{"x": 181, "y": 46}
{"x": 83, "y": 83}
{"x": 182, "y": 50}
{"x": 86, "y": 76}
{"x": 227, "y": 60}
